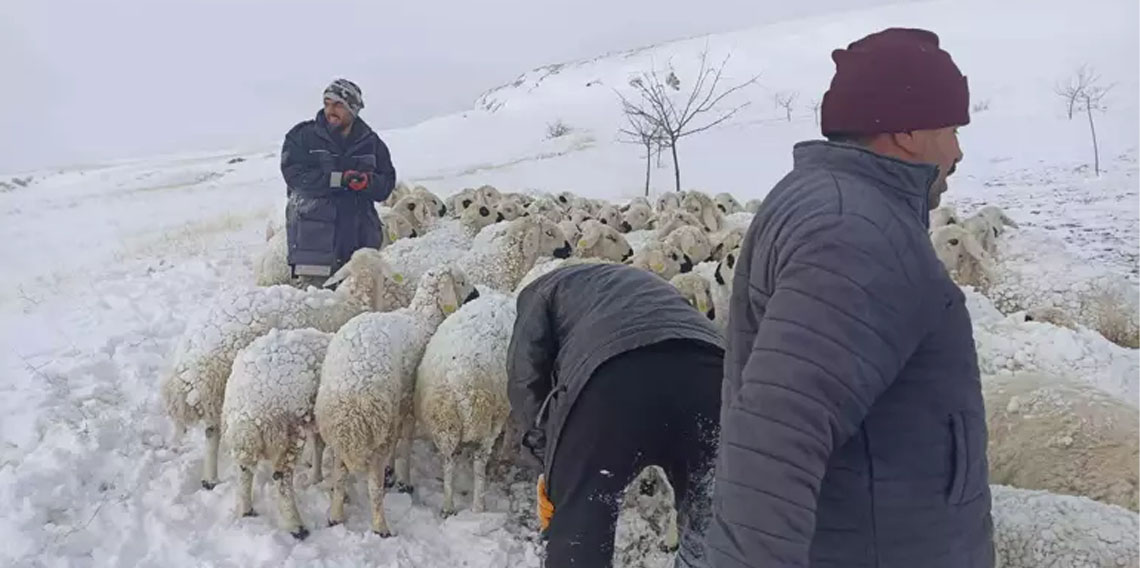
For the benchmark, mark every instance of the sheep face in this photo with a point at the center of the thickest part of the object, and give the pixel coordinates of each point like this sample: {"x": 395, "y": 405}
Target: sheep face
{"x": 637, "y": 218}
{"x": 961, "y": 254}
{"x": 703, "y": 208}
{"x": 663, "y": 260}
{"x": 674, "y": 219}
{"x": 394, "y": 227}
{"x": 727, "y": 204}
{"x": 565, "y": 198}
{"x": 983, "y": 231}
{"x": 458, "y": 203}
{"x": 399, "y": 192}
{"x": 443, "y": 288}
{"x": 753, "y": 205}
{"x": 365, "y": 277}
{"x": 478, "y": 216}
{"x": 609, "y": 215}
{"x": 488, "y": 195}
{"x": 578, "y": 216}
{"x": 942, "y": 216}
{"x": 691, "y": 241}
{"x": 544, "y": 207}
{"x": 418, "y": 210}
{"x": 510, "y": 209}
{"x": 668, "y": 201}
{"x": 726, "y": 268}
{"x": 996, "y": 217}
{"x": 541, "y": 237}
{"x": 601, "y": 241}
{"x": 570, "y": 230}
{"x": 695, "y": 290}
{"x": 430, "y": 199}
{"x": 726, "y": 242}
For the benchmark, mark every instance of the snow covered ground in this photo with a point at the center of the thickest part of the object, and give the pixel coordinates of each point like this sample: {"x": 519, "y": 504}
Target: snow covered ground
{"x": 104, "y": 265}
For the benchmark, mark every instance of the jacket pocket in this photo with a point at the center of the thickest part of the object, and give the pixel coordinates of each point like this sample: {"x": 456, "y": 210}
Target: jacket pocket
{"x": 315, "y": 220}
{"x": 969, "y": 477}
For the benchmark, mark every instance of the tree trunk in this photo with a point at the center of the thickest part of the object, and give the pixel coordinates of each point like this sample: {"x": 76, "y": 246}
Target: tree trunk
{"x": 648, "y": 165}
{"x": 1072, "y": 101}
{"x": 1092, "y": 129}
{"x": 676, "y": 165}
{"x": 789, "y": 109}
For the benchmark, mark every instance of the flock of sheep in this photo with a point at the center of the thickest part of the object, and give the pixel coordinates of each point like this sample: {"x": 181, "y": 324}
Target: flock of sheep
{"x": 412, "y": 344}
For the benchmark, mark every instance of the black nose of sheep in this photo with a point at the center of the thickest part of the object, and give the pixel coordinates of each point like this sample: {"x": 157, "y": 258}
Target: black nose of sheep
{"x": 626, "y": 227}
{"x": 414, "y": 234}
{"x": 628, "y": 254}
{"x": 687, "y": 264}
{"x": 442, "y": 210}
{"x": 563, "y": 251}
{"x": 484, "y": 211}
{"x": 475, "y": 294}
{"x": 500, "y": 218}
{"x": 711, "y": 314}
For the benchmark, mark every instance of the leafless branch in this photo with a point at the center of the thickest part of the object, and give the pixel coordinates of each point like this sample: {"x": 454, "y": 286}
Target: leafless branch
{"x": 1073, "y": 89}
{"x": 787, "y": 100}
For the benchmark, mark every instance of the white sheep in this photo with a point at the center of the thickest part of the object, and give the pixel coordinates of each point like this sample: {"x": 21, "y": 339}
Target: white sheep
{"x": 637, "y": 218}
{"x": 997, "y": 218}
{"x": 577, "y": 215}
{"x": 548, "y": 264}
{"x": 602, "y": 241}
{"x": 394, "y": 227}
{"x": 725, "y": 241}
{"x": 719, "y": 275}
{"x": 609, "y": 215}
{"x": 587, "y": 205}
{"x": 942, "y": 216}
{"x": 510, "y": 208}
{"x": 447, "y": 241}
{"x": 1037, "y": 529}
{"x": 692, "y": 241}
{"x": 194, "y": 389}
{"x": 740, "y": 221}
{"x": 983, "y": 231}
{"x": 701, "y": 205}
{"x": 364, "y": 406}
{"x": 662, "y": 259}
{"x": 400, "y": 191}
{"x": 488, "y": 195}
{"x": 727, "y": 203}
{"x": 1062, "y": 435}
{"x": 962, "y": 255}
{"x": 458, "y": 202}
{"x": 461, "y": 387}
{"x": 1034, "y": 270}
{"x": 565, "y": 199}
{"x": 753, "y": 205}
{"x": 420, "y": 210}
{"x": 432, "y": 199}
{"x": 500, "y": 261}
{"x": 695, "y": 289}
{"x": 271, "y": 266}
{"x": 637, "y": 201}
{"x": 523, "y": 199}
{"x": 668, "y": 201}
{"x": 268, "y": 413}
{"x": 671, "y": 220}
{"x": 545, "y": 207}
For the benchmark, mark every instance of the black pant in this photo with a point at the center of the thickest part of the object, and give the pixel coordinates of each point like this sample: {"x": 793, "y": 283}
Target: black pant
{"x": 658, "y": 405}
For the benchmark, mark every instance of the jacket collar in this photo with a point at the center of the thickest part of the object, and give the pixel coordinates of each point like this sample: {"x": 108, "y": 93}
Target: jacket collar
{"x": 911, "y": 180}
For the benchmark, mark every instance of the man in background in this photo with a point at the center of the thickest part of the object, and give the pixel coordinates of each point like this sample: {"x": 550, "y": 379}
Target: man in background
{"x": 336, "y": 167}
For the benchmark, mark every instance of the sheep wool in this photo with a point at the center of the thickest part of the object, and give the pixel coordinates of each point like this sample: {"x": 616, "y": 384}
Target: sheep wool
{"x": 1036, "y": 529}
{"x": 602, "y": 241}
{"x": 662, "y": 259}
{"x": 637, "y": 218}
{"x": 727, "y": 203}
{"x": 461, "y": 387}
{"x": 500, "y": 262}
{"x": 1062, "y": 435}
{"x": 695, "y": 289}
{"x": 268, "y": 412}
{"x": 692, "y": 241}
{"x": 364, "y": 402}
{"x": 703, "y": 207}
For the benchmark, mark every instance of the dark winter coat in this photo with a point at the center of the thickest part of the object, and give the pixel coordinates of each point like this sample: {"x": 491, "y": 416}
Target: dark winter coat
{"x": 575, "y": 318}
{"x": 852, "y": 427}
{"x": 325, "y": 221}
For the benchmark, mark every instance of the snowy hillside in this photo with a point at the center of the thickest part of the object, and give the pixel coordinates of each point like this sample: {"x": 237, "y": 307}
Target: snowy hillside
{"x": 104, "y": 265}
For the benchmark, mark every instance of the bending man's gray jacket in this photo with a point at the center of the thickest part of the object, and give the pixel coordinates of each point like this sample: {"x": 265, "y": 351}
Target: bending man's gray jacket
{"x": 852, "y": 427}
{"x": 575, "y": 318}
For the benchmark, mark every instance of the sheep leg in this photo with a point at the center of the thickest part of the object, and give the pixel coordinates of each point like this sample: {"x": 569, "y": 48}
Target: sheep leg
{"x": 286, "y": 499}
{"x": 245, "y": 492}
{"x": 210, "y": 465}
{"x": 318, "y": 444}
{"x": 448, "y": 484}
{"x": 403, "y": 464}
{"x": 478, "y": 493}
{"x": 336, "y": 504}
{"x": 376, "y": 495}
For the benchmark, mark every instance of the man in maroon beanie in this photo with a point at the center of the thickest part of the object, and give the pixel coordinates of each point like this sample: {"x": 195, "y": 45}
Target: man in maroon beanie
{"x": 852, "y": 427}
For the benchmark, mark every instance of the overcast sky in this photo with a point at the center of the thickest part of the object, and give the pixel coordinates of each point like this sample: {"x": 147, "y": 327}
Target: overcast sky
{"x": 85, "y": 81}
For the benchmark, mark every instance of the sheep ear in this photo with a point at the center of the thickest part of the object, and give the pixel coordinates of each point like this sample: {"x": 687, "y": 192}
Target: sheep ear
{"x": 1005, "y": 219}
{"x": 590, "y": 237}
{"x": 339, "y": 276}
{"x": 448, "y": 300}
{"x": 975, "y": 249}
{"x": 529, "y": 238}
{"x": 708, "y": 217}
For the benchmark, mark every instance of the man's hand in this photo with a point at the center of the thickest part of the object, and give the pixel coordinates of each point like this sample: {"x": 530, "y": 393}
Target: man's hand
{"x": 356, "y": 181}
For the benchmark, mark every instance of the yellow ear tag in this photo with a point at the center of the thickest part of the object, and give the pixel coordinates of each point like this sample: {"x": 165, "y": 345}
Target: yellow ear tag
{"x": 657, "y": 266}
{"x": 582, "y": 243}
{"x": 702, "y": 306}
{"x": 448, "y": 308}
{"x": 398, "y": 277}
{"x": 393, "y": 236}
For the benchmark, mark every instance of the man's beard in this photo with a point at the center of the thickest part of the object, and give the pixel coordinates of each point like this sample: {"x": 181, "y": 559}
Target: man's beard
{"x": 936, "y": 190}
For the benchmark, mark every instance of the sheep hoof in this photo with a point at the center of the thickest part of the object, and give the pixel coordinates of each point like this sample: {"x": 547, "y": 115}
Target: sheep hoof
{"x": 389, "y": 479}
{"x": 301, "y": 533}
{"x": 383, "y": 534}
{"x": 447, "y": 513}
{"x": 209, "y": 485}
{"x": 249, "y": 513}
{"x": 405, "y": 488}
{"x": 333, "y": 523}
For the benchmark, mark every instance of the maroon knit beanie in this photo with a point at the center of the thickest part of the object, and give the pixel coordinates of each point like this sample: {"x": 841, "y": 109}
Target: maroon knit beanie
{"x": 896, "y": 80}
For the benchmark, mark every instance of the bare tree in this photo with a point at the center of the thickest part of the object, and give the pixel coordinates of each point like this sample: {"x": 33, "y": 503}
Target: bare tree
{"x": 1092, "y": 98}
{"x": 786, "y": 100}
{"x": 1073, "y": 89}
{"x": 676, "y": 119}
{"x": 815, "y": 110}
{"x": 645, "y": 133}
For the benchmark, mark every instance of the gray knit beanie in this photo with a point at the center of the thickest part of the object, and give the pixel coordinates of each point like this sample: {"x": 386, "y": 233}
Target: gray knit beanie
{"x": 346, "y": 92}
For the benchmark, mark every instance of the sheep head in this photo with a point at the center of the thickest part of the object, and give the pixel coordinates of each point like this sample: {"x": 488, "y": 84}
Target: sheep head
{"x": 727, "y": 203}
{"x": 984, "y": 231}
{"x": 726, "y": 242}
{"x": 442, "y": 289}
{"x": 365, "y": 277}
{"x": 602, "y": 241}
{"x": 636, "y": 218}
{"x": 578, "y": 216}
{"x": 609, "y": 215}
{"x": 435, "y": 203}
{"x": 673, "y": 219}
{"x": 662, "y": 259}
{"x": 510, "y": 208}
{"x": 488, "y": 195}
{"x": 962, "y": 255}
{"x": 565, "y": 198}
{"x": 400, "y": 191}
{"x": 942, "y": 216}
{"x": 570, "y": 230}
{"x": 544, "y": 207}
{"x": 668, "y": 201}
{"x": 753, "y": 205}
{"x": 726, "y": 268}
{"x": 692, "y": 241}
{"x": 703, "y": 207}
{"x": 418, "y": 210}
{"x": 478, "y": 216}
{"x": 537, "y": 237}
{"x": 394, "y": 227}
{"x": 695, "y": 289}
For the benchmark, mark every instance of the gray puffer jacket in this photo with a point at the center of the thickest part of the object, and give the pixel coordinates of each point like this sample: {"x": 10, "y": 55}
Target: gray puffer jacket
{"x": 575, "y": 318}
{"x": 852, "y": 427}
